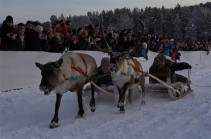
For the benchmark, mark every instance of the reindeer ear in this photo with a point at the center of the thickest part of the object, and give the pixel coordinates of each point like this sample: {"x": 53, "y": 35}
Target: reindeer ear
{"x": 59, "y": 62}
{"x": 39, "y": 65}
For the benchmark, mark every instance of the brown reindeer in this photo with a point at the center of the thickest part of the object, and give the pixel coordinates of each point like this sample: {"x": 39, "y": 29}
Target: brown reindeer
{"x": 126, "y": 71}
{"x": 68, "y": 74}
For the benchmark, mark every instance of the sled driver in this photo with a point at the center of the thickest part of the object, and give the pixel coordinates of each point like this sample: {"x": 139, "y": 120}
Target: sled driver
{"x": 104, "y": 79}
{"x": 104, "y": 75}
{"x": 163, "y": 68}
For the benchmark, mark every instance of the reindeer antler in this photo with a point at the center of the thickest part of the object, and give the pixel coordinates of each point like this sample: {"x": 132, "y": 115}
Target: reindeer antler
{"x": 115, "y": 54}
{"x": 137, "y": 42}
{"x": 104, "y": 42}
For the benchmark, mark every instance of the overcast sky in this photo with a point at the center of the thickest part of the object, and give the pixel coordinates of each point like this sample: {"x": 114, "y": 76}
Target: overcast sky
{"x": 41, "y": 10}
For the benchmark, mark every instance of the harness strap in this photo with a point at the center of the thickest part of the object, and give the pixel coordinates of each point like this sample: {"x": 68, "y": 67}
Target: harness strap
{"x": 84, "y": 63}
{"x": 135, "y": 67}
{"x": 78, "y": 69}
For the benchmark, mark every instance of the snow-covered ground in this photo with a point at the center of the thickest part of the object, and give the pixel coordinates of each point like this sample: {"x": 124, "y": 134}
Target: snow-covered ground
{"x": 25, "y": 112}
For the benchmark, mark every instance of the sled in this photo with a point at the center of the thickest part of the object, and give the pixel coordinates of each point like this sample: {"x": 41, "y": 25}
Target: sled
{"x": 175, "y": 90}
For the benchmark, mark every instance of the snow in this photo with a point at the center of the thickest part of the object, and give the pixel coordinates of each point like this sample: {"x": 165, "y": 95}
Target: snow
{"x": 26, "y": 113}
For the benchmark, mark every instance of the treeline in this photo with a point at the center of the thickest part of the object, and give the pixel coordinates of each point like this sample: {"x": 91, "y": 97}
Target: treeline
{"x": 192, "y": 22}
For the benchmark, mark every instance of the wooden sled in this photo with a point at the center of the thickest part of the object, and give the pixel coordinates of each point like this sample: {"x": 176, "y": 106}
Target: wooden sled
{"x": 175, "y": 90}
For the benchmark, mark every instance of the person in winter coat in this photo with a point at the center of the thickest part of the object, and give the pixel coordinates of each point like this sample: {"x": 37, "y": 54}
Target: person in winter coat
{"x": 29, "y": 33}
{"x": 163, "y": 68}
{"x": 144, "y": 50}
{"x": 20, "y": 39}
{"x": 8, "y": 34}
{"x": 39, "y": 41}
{"x": 60, "y": 27}
{"x": 104, "y": 75}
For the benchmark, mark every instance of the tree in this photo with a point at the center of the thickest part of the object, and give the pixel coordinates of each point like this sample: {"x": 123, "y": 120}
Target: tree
{"x": 53, "y": 18}
{"x": 62, "y": 17}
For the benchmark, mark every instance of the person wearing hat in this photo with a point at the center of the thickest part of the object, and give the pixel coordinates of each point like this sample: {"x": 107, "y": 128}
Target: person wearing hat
{"x": 20, "y": 39}
{"x": 104, "y": 75}
{"x": 8, "y": 34}
{"x": 163, "y": 68}
{"x": 29, "y": 33}
{"x": 39, "y": 40}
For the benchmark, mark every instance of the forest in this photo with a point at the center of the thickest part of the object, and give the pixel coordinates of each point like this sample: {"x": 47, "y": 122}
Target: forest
{"x": 182, "y": 22}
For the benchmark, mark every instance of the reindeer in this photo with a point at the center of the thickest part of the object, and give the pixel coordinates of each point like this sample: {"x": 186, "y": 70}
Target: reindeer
{"x": 126, "y": 72}
{"x": 69, "y": 73}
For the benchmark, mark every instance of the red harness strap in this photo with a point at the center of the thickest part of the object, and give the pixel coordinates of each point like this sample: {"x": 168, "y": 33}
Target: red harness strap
{"x": 78, "y": 69}
{"x": 136, "y": 66}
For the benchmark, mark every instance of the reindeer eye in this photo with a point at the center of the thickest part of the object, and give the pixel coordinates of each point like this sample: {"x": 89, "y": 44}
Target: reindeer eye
{"x": 120, "y": 59}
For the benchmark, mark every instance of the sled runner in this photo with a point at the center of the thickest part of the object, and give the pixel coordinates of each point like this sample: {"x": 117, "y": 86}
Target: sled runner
{"x": 175, "y": 90}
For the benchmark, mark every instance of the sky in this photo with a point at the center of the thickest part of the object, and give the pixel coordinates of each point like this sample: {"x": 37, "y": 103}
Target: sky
{"x": 26, "y": 113}
{"x": 41, "y": 10}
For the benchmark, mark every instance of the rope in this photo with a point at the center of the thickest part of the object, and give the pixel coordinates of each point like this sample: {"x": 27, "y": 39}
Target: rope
{"x": 189, "y": 73}
{"x": 96, "y": 86}
{"x": 201, "y": 85}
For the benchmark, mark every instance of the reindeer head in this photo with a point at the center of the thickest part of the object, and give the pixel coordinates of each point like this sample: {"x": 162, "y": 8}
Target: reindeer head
{"x": 116, "y": 61}
{"x": 51, "y": 76}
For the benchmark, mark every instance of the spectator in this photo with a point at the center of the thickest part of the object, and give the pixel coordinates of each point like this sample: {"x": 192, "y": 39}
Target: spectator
{"x": 29, "y": 33}
{"x": 144, "y": 51}
{"x": 73, "y": 44}
{"x": 20, "y": 39}
{"x": 8, "y": 35}
{"x": 39, "y": 40}
{"x": 60, "y": 27}
{"x": 83, "y": 42}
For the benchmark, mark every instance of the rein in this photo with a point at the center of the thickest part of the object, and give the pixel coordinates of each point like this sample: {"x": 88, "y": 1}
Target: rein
{"x": 189, "y": 73}
{"x": 79, "y": 70}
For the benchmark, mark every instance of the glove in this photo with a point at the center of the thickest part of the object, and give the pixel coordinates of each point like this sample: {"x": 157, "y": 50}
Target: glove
{"x": 187, "y": 66}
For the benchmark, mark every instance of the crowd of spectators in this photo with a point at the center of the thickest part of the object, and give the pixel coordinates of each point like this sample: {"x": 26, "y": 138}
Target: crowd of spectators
{"x": 60, "y": 36}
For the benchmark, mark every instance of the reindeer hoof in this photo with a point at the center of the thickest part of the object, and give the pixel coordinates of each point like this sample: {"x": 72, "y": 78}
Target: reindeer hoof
{"x": 118, "y": 106}
{"x": 92, "y": 105}
{"x": 54, "y": 124}
{"x": 122, "y": 110}
{"x": 93, "y": 109}
{"x": 78, "y": 116}
{"x": 143, "y": 103}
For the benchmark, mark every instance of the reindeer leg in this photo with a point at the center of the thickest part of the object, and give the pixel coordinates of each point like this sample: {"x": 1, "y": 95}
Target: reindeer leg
{"x": 92, "y": 101}
{"x": 122, "y": 98}
{"x": 120, "y": 93}
{"x": 143, "y": 93}
{"x": 80, "y": 103}
{"x": 55, "y": 121}
{"x": 130, "y": 96}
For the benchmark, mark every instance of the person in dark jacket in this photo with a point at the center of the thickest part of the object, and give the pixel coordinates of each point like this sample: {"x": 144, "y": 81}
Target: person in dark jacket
{"x": 29, "y": 33}
{"x": 163, "y": 68}
{"x": 104, "y": 79}
{"x": 20, "y": 39}
{"x": 39, "y": 40}
{"x": 8, "y": 34}
{"x": 104, "y": 75}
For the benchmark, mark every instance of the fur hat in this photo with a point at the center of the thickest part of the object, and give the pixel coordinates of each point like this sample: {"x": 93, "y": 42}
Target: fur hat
{"x": 144, "y": 45}
{"x": 84, "y": 33}
{"x": 29, "y": 22}
{"x": 38, "y": 27}
{"x": 105, "y": 61}
{"x": 9, "y": 18}
{"x": 21, "y": 28}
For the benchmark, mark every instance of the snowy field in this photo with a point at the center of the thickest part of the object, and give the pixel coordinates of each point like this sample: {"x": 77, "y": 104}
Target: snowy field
{"x": 25, "y": 112}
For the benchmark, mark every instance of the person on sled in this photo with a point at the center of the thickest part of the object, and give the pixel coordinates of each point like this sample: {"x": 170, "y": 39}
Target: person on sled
{"x": 104, "y": 75}
{"x": 164, "y": 69}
